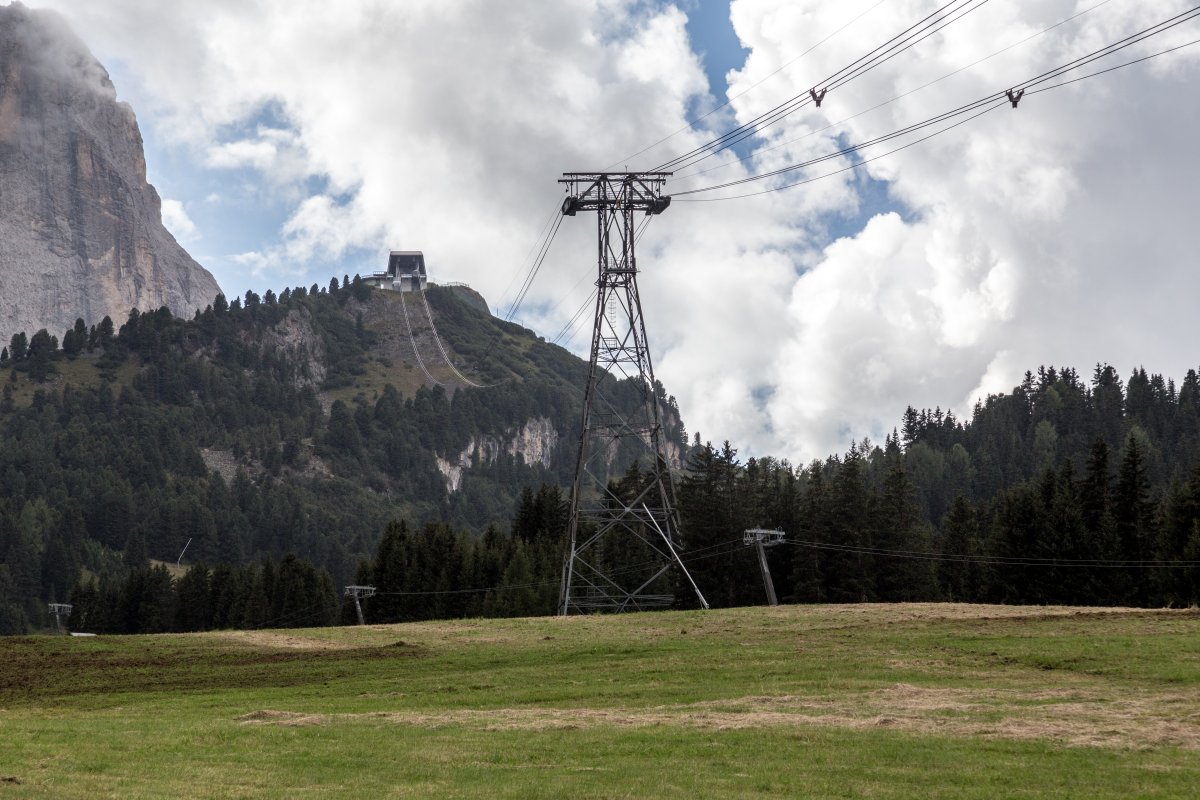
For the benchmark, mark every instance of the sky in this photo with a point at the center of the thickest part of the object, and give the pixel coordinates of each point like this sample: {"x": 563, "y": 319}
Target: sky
{"x": 296, "y": 140}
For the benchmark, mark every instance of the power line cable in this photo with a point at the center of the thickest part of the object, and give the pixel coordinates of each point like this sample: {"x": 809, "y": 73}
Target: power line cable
{"x": 1109, "y": 50}
{"x": 690, "y": 556}
{"x": 543, "y": 250}
{"x": 1129, "y": 41}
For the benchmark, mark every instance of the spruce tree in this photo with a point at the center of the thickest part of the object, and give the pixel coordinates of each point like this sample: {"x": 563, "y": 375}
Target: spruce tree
{"x": 1133, "y": 513}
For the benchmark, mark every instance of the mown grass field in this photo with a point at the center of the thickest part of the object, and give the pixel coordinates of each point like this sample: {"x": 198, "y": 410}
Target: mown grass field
{"x": 872, "y": 701}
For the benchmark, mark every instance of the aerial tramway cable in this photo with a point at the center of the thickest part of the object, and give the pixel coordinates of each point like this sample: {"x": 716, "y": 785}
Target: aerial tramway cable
{"x": 534, "y": 269}
{"x": 692, "y": 122}
{"x": 412, "y": 338}
{"x": 759, "y": 152}
{"x": 987, "y": 103}
{"x": 441, "y": 348}
{"x": 537, "y": 245}
{"x": 570, "y": 329}
{"x": 929, "y": 25}
{"x": 905, "y": 40}
{"x": 1118, "y": 66}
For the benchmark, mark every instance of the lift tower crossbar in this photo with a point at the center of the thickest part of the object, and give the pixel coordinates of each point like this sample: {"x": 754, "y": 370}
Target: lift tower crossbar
{"x": 621, "y": 543}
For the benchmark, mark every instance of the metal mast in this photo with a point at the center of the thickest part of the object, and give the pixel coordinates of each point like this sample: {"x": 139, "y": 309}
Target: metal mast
{"x": 622, "y": 540}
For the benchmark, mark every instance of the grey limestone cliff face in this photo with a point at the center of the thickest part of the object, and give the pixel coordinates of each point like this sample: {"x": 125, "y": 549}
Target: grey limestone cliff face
{"x": 81, "y": 231}
{"x": 534, "y": 442}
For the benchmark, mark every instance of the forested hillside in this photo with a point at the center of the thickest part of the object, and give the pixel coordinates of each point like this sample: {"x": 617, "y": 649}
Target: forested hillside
{"x": 293, "y": 424}
{"x": 1058, "y": 492}
{"x": 294, "y": 442}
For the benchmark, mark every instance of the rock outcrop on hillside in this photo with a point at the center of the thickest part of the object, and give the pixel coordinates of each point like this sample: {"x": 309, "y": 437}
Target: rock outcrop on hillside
{"x": 81, "y": 231}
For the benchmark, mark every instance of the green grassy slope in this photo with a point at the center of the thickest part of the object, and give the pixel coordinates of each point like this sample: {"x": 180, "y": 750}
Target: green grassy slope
{"x": 485, "y": 349}
{"x": 825, "y": 701}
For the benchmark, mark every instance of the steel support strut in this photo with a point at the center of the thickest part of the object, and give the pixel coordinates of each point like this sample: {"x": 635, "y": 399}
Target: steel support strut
{"x": 623, "y": 529}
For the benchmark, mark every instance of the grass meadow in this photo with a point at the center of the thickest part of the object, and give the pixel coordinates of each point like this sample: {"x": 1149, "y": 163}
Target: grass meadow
{"x": 859, "y": 701}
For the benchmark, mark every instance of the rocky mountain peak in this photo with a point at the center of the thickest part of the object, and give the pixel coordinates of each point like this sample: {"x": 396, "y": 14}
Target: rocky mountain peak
{"x": 81, "y": 231}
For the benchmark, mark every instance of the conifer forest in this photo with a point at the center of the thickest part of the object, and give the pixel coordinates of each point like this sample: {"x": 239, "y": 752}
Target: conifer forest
{"x": 1065, "y": 490}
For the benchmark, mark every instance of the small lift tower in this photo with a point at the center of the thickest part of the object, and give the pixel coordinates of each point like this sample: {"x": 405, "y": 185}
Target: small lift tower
{"x": 358, "y": 593}
{"x": 763, "y": 538}
{"x": 60, "y": 610}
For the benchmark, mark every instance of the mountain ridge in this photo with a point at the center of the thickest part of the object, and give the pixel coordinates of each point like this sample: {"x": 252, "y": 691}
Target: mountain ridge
{"x": 81, "y": 226}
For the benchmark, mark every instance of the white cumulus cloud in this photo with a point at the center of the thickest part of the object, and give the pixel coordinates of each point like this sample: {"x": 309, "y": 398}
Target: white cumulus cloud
{"x": 1054, "y": 233}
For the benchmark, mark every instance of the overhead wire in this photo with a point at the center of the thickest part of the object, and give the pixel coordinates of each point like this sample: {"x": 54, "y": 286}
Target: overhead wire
{"x": 412, "y": 338}
{"x": 1118, "y": 66}
{"x": 753, "y": 124}
{"x": 732, "y": 546}
{"x": 700, "y": 554}
{"x": 993, "y": 560}
{"x": 903, "y": 45}
{"x": 905, "y": 40}
{"x": 1129, "y": 41}
{"x": 758, "y": 153}
{"x": 535, "y": 268}
{"x": 986, "y": 103}
{"x": 535, "y": 247}
{"x": 442, "y": 349}
{"x": 692, "y": 122}
{"x": 572, "y": 324}
{"x": 549, "y": 233}
{"x": 994, "y": 100}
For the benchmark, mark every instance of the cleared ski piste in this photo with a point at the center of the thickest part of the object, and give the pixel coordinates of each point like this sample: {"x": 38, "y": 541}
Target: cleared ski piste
{"x": 880, "y": 701}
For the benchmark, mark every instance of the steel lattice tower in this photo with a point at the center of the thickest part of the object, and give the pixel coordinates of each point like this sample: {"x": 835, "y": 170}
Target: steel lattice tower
{"x": 622, "y": 539}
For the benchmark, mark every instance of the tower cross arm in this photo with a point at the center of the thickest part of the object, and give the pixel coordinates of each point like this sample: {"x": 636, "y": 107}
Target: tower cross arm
{"x": 637, "y": 191}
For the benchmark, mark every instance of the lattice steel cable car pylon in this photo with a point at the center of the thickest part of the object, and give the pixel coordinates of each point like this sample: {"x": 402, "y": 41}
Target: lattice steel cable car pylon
{"x": 622, "y": 543}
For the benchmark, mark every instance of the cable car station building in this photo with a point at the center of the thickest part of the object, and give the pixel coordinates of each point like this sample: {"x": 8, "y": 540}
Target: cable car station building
{"x": 405, "y": 272}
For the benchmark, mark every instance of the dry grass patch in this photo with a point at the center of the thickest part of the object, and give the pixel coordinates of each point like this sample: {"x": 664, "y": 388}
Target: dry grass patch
{"x": 280, "y": 640}
{"x": 1085, "y": 718}
{"x": 287, "y": 719}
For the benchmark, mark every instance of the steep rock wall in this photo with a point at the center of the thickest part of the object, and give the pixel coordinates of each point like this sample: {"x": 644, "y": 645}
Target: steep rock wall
{"x": 81, "y": 231}
{"x": 534, "y": 442}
